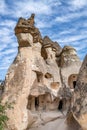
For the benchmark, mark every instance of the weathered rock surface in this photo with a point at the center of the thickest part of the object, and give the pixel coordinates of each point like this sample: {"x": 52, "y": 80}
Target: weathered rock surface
{"x": 27, "y": 26}
{"x": 18, "y": 82}
{"x": 42, "y": 78}
{"x": 68, "y": 56}
{"x": 80, "y": 96}
{"x": 69, "y": 66}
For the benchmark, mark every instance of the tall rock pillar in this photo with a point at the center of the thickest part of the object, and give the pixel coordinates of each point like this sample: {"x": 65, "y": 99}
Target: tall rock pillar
{"x": 18, "y": 78}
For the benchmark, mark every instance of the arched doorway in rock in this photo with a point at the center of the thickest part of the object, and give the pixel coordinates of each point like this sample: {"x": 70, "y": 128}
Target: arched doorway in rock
{"x": 74, "y": 84}
{"x": 60, "y": 106}
{"x": 36, "y": 103}
{"x": 72, "y": 80}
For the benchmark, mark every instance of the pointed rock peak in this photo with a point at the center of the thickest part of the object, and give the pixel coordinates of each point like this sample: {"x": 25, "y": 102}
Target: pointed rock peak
{"x": 66, "y": 48}
{"x": 47, "y": 38}
{"x": 57, "y": 46}
{"x": 47, "y": 42}
{"x": 82, "y": 78}
{"x": 80, "y": 96}
{"x": 26, "y": 23}
{"x": 69, "y": 50}
{"x": 84, "y": 63}
{"x": 32, "y": 16}
{"x": 68, "y": 56}
{"x": 27, "y": 26}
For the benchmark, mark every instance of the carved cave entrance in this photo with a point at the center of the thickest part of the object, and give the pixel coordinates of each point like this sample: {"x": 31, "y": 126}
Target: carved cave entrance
{"x": 43, "y": 103}
{"x": 74, "y": 84}
{"x": 60, "y": 106}
{"x": 72, "y": 80}
{"x": 36, "y": 102}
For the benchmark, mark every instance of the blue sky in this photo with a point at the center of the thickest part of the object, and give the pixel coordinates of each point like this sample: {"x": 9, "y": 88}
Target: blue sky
{"x": 64, "y": 21}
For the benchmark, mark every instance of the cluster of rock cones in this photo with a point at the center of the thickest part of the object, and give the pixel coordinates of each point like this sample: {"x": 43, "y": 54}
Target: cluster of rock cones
{"x": 44, "y": 77}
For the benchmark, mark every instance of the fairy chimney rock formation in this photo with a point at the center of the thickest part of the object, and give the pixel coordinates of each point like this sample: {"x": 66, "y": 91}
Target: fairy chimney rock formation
{"x": 26, "y": 32}
{"x": 68, "y": 56}
{"x": 41, "y": 77}
{"x": 80, "y": 96}
{"x": 50, "y": 48}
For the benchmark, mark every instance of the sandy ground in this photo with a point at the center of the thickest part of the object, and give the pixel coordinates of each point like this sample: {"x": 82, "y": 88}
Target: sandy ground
{"x": 54, "y": 125}
{"x": 57, "y": 124}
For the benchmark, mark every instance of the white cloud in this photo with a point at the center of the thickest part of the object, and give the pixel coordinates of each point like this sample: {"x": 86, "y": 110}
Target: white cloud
{"x": 70, "y": 35}
{"x": 2, "y": 46}
{"x": 45, "y": 11}
{"x": 70, "y": 16}
{"x": 28, "y": 7}
{"x": 4, "y": 31}
{"x": 72, "y": 38}
{"x": 2, "y": 6}
{"x": 77, "y": 4}
{"x": 4, "y": 68}
{"x": 8, "y": 46}
{"x": 8, "y": 23}
{"x": 85, "y": 24}
{"x": 10, "y": 51}
{"x": 24, "y": 8}
{"x": 7, "y": 59}
{"x": 7, "y": 37}
{"x": 68, "y": 31}
{"x": 44, "y": 23}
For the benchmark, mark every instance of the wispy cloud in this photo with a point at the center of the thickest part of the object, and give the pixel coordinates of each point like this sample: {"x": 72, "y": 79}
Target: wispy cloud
{"x": 8, "y": 23}
{"x": 64, "y": 21}
{"x": 9, "y": 51}
{"x": 3, "y": 7}
{"x": 74, "y": 38}
{"x": 71, "y": 16}
{"x": 28, "y": 7}
{"x": 78, "y": 4}
{"x": 8, "y": 45}
{"x": 25, "y": 8}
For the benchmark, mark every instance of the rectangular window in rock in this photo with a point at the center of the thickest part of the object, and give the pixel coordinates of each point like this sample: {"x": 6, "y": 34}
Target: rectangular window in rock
{"x": 39, "y": 76}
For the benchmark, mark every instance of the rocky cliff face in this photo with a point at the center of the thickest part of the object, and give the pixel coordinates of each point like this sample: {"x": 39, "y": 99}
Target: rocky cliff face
{"x": 80, "y": 96}
{"x": 42, "y": 78}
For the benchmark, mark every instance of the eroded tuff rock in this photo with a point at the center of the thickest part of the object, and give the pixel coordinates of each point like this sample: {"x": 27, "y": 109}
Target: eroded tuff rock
{"x": 68, "y": 56}
{"x": 80, "y": 96}
{"x": 41, "y": 79}
{"x": 24, "y": 28}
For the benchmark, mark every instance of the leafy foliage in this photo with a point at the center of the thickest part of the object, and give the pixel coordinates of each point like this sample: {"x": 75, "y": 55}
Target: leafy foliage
{"x": 2, "y": 83}
{"x": 3, "y": 116}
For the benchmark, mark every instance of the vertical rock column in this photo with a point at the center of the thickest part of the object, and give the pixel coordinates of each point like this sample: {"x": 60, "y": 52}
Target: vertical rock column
{"x": 18, "y": 79}
{"x": 80, "y": 97}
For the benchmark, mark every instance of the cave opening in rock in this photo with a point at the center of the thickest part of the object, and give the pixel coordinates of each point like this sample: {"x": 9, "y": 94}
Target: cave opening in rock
{"x": 48, "y": 75}
{"x": 60, "y": 106}
{"x": 74, "y": 84}
{"x": 72, "y": 80}
{"x": 39, "y": 76}
{"x": 36, "y": 102}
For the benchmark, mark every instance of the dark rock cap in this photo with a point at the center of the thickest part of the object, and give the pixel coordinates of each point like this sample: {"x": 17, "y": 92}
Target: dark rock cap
{"x": 47, "y": 42}
{"x": 27, "y": 26}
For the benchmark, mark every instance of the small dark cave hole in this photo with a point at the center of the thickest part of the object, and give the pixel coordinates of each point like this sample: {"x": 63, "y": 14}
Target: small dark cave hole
{"x": 60, "y": 107}
{"x": 74, "y": 84}
{"x": 36, "y": 102}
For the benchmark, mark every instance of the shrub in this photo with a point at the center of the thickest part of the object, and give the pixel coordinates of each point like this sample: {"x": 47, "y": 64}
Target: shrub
{"x": 3, "y": 116}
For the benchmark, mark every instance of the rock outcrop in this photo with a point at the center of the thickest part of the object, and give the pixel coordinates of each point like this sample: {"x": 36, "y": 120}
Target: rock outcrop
{"x": 80, "y": 96}
{"x": 42, "y": 77}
